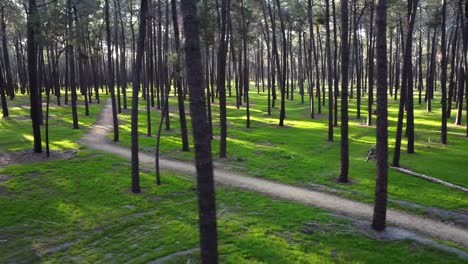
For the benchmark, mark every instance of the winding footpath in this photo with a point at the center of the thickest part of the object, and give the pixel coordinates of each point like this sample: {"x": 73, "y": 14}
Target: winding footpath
{"x": 97, "y": 139}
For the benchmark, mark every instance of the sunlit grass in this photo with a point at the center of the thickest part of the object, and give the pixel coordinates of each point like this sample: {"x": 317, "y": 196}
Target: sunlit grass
{"x": 16, "y": 131}
{"x": 87, "y": 200}
{"x": 300, "y": 154}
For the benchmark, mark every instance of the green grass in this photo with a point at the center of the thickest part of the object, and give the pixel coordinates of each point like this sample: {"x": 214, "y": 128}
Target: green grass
{"x": 300, "y": 154}
{"x": 16, "y": 131}
{"x": 87, "y": 200}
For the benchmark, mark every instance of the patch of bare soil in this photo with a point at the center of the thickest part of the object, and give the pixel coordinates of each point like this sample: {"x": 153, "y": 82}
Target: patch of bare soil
{"x": 4, "y": 191}
{"x": 3, "y": 178}
{"x": 22, "y": 157}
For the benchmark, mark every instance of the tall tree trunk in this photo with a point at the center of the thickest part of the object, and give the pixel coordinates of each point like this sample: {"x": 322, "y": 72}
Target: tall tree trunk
{"x": 71, "y": 58}
{"x": 167, "y": 80}
{"x": 329, "y": 71}
{"x": 220, "y": 80}
{"x": 358, "y": 70}
{"x": 123, "y": 68}
{"x": 32, "y": 28}
{"x": 6, "y": 58}
{"x": 283, "y": 74}
{"x": 380, "y": 205}
{"x": 409, "y": 78}
{"x": 136, "y": 86}
{"x": 453, "y": 68}
{"x": 110, "y": 73}
{"x": 178, "y": 81}
{"x": 412, "y": 7}
{"x": 312, "y": 49}
{"x": 344, "y": 92}
{"x": 3, "y": 99}
{"x": 462, "y": 69}
{"x": 335, "y": 67}
{"x": 370, "y": 73}
{"x": 245, "y": 74}
{"x": 204, "y": 165}
{"x": 443, "y": 76}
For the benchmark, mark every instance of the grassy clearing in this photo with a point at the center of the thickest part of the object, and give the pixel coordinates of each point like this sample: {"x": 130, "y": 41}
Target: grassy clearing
{"x": 86, "y": 203}
{"x": 16, "y": 131}
{"x": 300, "y": 154}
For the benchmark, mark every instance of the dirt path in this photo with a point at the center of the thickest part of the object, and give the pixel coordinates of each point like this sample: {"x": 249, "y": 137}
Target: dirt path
{"x": 97, "y": 139}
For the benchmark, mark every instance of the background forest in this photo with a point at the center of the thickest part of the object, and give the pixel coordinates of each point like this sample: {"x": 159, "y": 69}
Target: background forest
{"x": 362, "y": 101}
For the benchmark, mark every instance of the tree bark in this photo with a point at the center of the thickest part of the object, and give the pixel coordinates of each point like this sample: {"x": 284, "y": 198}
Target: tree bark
{"x": 344, "y": 92}
{"x": 204, "y": 165}
{"x": 32, "y": 28}
{"x": 380, "y": 205}
{"x": 220, "y": 81}
{"x": 110, "y": 74}
{"x": 443, "y": 77}
{"x": 136, "y": 86}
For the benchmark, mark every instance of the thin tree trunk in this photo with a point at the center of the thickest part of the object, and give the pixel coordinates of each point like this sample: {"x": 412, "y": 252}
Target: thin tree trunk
{"x": 443, "y": 77}
{"x": 178, "y": 81}
{"x": 110, "y": 74}
{"x": 329, "y": 71}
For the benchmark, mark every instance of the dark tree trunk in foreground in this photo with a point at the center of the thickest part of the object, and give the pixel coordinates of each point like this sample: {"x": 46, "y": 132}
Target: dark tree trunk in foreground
{"x": 465, "y": 58}
{"x": 32, "y": 28}
{"x": 136, "y": 86}
{"x": 204, "y": 165}
{"x": 380, "y": 205}
{"x": 110, "y": 74}
{"x": 344, "y": 92}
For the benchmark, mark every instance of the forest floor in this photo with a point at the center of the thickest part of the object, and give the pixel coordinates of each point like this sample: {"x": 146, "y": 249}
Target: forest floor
{"x": 82, "y": 210}
{"x": 299, "y": 153}
{"x": 97, "y": 138}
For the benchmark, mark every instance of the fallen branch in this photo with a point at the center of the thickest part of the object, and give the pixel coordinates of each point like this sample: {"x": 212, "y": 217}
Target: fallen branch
{"x": 431, "y": 179}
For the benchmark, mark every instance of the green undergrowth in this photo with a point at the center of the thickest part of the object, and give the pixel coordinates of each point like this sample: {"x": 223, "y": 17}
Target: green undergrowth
{"x": 300, "y": 154}
{"x": 16, "y": 130}
{"x": 82, "y": 211}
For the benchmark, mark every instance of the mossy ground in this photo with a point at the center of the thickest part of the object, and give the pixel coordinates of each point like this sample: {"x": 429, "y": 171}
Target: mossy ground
{"x": 300, "y": 154}
{"x": 84, "y": 204}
